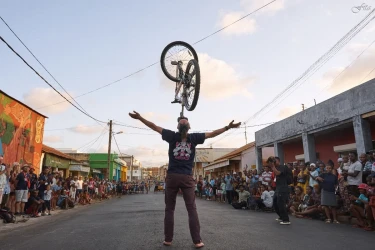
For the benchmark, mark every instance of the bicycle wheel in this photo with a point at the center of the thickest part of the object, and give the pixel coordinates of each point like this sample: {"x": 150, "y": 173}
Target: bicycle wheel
{"x": 192, "y": 85}
{"x": 176, "y": 52}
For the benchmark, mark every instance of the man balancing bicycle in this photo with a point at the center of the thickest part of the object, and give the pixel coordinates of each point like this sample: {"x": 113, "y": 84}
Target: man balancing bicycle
{"x": 179, "y": 175}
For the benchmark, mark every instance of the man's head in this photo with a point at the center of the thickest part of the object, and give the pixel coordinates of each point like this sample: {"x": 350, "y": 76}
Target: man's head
{"x": 266, "y": 168}
{"x": 363, "y": 158}
{"x": 277, "y": 163}
{"x": 271, "y": 161}
{"x": 183, "y": 125}
{"x": 312, "y": 166}
{"x": 353, "y": 157}
{"x": 45, "y": 170}
{"x": 75, "y": 178}
{"x": 241, "y": 188}
{"x": 34, "y": 193}
{"x": 25, "y": 168}
{"x": 31, "y": 170}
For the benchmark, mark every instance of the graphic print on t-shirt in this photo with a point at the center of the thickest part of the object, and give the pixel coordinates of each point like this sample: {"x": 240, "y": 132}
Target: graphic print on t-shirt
{"x": 182, "y": 151}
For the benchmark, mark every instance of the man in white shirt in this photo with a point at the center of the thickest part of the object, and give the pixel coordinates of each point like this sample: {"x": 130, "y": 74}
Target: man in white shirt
{"x": 354, "y": 175}
{"x": 79, "y": 186}
{"x": 73, "y": 188}
{"x": 266, "y": 200}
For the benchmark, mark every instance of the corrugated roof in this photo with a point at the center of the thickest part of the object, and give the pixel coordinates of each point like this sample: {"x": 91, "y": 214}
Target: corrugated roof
{"x": 53, "y": 151}
{"x": 2, "y": 92}
{"x": 236, "y": 152}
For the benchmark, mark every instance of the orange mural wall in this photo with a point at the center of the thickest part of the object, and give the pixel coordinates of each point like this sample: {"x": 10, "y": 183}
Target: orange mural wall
{"x": 21, "y": 132}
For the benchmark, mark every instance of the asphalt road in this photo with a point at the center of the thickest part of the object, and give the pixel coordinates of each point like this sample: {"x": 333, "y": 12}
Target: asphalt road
{"x": 136, "y": 222}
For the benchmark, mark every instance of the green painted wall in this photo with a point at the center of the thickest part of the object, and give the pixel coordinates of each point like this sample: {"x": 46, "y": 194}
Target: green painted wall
{"x": 101, "y": 161}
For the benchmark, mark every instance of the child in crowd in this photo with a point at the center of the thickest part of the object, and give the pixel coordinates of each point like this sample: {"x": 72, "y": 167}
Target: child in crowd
{"x": 296, "y": 200}
{"x": 85, "y": 198}
{"x": 357, "y": 208}
{"x": 56, "y": 189}
{"x": 370, "y": 208}
{"x": 307, "y": 199}
{"x": 223, "y": 191}
{"x": 209, "y": 192}
{"x": 47, "y": 200}
{"x": 271, "y": 191}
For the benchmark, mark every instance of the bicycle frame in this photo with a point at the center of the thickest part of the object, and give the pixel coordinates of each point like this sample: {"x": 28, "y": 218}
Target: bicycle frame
{"x": 179, "y": 85}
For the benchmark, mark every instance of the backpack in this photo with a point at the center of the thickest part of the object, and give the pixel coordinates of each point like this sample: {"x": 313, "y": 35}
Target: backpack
{"x": 7, "y": 216}
{"x": 289, "y": 176}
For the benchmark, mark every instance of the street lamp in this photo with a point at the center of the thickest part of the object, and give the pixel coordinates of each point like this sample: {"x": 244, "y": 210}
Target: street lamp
{"x": 117, "y": 133}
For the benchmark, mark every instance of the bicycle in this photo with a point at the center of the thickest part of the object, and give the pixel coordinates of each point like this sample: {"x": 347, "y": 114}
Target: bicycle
{"x": 187, "y": 81}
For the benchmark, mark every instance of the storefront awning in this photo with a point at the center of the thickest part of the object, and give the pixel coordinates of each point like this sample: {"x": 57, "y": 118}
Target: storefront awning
{"x": 96, "y": 171}
{"x": 79, "y": 168}
{"x": 219, "y": 164}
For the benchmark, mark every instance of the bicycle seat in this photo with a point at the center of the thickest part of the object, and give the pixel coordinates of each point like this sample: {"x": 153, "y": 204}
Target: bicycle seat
{"x": 174, "y": 63}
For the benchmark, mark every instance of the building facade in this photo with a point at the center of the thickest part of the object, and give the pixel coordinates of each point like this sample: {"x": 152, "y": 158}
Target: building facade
{"x": 243, "y": 158}
{"x": 342, "y": 124}
{"x": 21, "y": 132}
{"x": 57, "y": 160}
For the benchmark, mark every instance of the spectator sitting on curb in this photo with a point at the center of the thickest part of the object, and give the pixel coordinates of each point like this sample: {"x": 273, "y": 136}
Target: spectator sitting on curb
{"x": 357, "y": 208}
{"x": 242, "y": 198}
{"x": 265, "y": 200}
{"x": 64, "y": 202}
{"x": 34, "y": 204}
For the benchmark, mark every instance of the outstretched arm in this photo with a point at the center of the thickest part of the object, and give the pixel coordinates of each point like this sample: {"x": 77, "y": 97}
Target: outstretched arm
{"x": 149, "y": 124}
{"x": 222, "y": 130}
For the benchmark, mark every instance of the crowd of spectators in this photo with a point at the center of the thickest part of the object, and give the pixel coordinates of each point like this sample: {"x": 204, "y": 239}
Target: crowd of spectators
{"x": 24, "y": 193}
{"x": 318, "y": 190}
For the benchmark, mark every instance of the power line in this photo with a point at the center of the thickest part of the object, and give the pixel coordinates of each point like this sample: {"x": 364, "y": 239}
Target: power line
{"x": 41, "y": 64}
{"x": 10, "y": 47}
{"x": 119, "y": 151}
{"x": 157, "y": 62}
{"x": 92, "y": 141}
{"x": 313, "y": 68}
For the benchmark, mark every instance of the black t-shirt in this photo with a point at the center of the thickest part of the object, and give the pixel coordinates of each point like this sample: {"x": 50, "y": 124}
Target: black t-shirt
{"x": 31, "y": 201}
{"x": 181, "y": 154}
{"x": 281, "y": 180}
{"x": 23, "y": 180}
{"x": 329, "y": 183}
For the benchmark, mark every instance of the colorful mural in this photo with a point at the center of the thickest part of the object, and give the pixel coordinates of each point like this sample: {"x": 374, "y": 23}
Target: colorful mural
{"x": 21, "y": 132}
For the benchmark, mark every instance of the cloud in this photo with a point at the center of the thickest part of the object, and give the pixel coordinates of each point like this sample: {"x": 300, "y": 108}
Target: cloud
{"x": 288, "y": 111}
{"x": 52, "y": 139}
{"x": 361, "y": 71}
{"x": 82, "y": 129}
{"x": 156, "y": 117}
{"x": 219, "y": 80}
{"x": 153, "y": 156}
{"x": 42, "y": 98}
{"x": 248, "y": 25}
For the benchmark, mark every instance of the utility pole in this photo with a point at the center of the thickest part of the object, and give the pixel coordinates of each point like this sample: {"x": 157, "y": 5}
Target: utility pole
{"x": 131, "y": 170}
{"x": 245, "y": 133}
{"x": 109, "y": 149}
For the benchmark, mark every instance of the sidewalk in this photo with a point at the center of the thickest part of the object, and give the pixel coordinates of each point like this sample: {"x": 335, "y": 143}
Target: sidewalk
{"x": 26, "y": 221}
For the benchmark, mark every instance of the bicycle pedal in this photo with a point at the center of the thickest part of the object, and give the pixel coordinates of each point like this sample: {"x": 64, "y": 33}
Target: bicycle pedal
{"x": 176, "y": 101}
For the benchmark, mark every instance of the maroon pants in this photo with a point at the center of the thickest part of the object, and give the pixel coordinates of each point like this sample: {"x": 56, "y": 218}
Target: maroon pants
{"x": 186, "y": 183}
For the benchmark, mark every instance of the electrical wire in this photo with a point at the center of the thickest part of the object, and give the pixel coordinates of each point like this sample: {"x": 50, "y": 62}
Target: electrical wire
{"x": 92, "y": 141}
{"x": 119, "y": 151}
{"x": 10, "y": 47}
{"x": 41, "y": 64}
{"x": 157, "y": 62}
{"x": 312, "y": 69}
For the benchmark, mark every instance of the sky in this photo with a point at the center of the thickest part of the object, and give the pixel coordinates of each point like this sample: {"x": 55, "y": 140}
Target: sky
{"x": 88, "y": 44}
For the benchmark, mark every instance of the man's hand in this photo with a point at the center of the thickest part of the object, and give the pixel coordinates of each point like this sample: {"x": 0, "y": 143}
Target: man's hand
{"x": 136, "y": 115}
{"x": 234, "y": 125}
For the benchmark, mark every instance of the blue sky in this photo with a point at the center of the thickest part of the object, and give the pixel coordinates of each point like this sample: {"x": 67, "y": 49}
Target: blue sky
{"x": 87, "y": 44}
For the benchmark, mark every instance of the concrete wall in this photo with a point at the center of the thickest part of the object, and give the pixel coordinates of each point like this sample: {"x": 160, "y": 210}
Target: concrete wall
{"x": 341, "y": 108}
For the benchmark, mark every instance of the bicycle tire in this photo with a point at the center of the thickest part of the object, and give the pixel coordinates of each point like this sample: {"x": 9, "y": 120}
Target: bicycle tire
{"x": 164, "y": 53}
{"x": 191, "y": 106}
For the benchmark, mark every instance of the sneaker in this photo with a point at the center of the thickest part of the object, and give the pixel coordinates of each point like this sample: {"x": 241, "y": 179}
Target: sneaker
{"x": 285, "y": 223}
{"x": 278, "y": 219}
{"x": 176, "y": 100}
